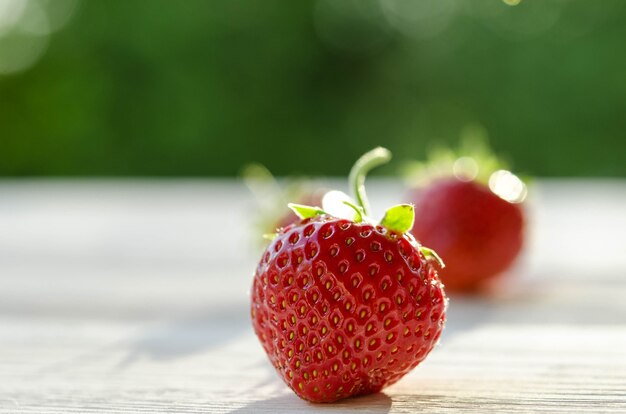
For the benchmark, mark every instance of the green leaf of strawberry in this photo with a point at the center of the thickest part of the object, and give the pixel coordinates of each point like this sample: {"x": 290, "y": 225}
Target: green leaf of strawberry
{"x": 305, "y": 212}
{"x": 399, "y": 218}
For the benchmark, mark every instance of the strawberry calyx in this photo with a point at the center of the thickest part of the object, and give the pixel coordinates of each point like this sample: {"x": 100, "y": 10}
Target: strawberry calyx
{"x": 398, "y": 219}
{"x": 473, "y": 160}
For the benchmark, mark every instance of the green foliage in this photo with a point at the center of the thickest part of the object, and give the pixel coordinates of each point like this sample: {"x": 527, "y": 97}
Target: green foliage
{"x": 133, "y": 87}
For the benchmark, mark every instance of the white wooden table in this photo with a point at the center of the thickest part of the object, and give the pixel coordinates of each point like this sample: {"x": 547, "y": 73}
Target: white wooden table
{"x": 132, "y": 296}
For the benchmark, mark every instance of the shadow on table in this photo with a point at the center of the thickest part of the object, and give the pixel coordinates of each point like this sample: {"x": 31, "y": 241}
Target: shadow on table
{"x": 189, "y": 335}
{"x": 378, "y": 403}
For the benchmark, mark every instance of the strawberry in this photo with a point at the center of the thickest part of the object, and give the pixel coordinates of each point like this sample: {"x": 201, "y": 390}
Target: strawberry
{"x": 470, "y": 212}
{"x": 345, "y": 306}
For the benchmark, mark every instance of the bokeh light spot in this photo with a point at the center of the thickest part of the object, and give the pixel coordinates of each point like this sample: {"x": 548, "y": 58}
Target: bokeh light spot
{"x": 10, "y": 13}
{"x": 19, "y": 52}
{"x": 25, "y": 28}
{"x": 508, "y": 186}
{"x": 420, "y": 19}
{"x": 465, "y": 168}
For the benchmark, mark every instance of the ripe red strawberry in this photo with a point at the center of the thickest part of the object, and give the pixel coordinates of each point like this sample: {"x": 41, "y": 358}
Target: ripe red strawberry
{"x": 346, "y": 307}
{"x": 473, "y": 219}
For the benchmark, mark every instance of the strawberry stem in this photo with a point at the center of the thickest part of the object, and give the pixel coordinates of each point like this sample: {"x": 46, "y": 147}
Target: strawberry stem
{"x": 372, "y": 159}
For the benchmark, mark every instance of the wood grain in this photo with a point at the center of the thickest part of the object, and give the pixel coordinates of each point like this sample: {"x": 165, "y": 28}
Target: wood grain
{"x": 132, "y": 297}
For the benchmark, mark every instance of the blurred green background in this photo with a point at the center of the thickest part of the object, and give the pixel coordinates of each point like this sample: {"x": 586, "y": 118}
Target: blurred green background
{"x": 160, "y": 88}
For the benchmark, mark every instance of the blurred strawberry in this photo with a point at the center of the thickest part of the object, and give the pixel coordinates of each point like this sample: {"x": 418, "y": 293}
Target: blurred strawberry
{"x": 468, "y": 208}
{"x": 272, "y": 198}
